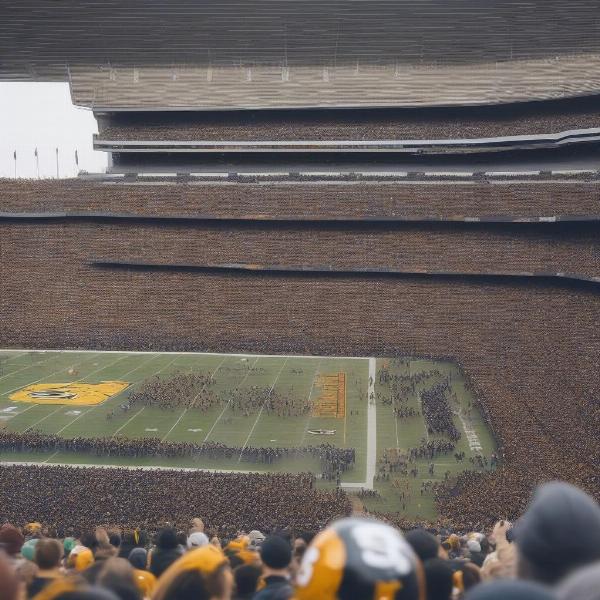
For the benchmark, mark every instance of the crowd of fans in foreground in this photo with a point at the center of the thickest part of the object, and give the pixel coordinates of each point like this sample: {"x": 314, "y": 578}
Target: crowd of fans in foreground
{"x": 551, "y": 552}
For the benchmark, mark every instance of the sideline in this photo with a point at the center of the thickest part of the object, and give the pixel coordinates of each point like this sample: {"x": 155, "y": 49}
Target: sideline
{"x": 7, "y": 463}
{"x": 145, "y": 352}
{"x": 371, "y": 433}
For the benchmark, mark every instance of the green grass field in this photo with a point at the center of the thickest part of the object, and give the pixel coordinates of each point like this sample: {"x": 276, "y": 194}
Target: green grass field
{"x": 285, "y": 375}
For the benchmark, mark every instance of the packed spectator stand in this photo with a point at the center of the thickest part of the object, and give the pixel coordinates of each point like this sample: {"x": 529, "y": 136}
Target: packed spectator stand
{"x": 551, "y": 552}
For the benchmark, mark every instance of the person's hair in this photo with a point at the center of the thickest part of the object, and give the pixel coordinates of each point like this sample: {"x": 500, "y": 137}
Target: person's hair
{"x": 167, "y": 538}
{"x": 114, "y": 538}
{"x": 48, "y": 553}
{"x": 246, "y": 578}
{"x": 471, "y": 575}
{"x": 438, "y": 577}
{"x": 116, "y": 574}
{"x": 193, "y": 585}
{"x": 89, "y": 540}
{"x": 424, "y": 544}
{"x": 307, "y": 536}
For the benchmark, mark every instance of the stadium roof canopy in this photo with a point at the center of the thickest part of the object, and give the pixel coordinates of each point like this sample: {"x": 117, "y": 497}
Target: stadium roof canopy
{"x": 185, "y": 54}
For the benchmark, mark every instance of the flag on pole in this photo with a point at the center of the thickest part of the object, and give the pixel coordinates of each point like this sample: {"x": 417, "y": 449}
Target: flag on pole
{"x": 76, "y": 158}
{"x": 35, "y": 153}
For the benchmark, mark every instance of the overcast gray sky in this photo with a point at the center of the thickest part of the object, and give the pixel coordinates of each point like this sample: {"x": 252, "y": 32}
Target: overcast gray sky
{"x": 41, "y": 115}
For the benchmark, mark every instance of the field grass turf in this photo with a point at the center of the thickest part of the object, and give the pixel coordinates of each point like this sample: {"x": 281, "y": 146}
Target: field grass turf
{"x": 286, "y": 375}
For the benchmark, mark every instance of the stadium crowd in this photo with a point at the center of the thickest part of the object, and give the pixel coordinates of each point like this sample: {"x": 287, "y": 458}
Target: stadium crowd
{"x": 178, "y": 390}
{"x": 333, "y": 460}
{"x": 192, "y": 390}
{"x": 437, "y": 412}
{"x": 551, "y": 553}
{"x": 362, "y": 125}
{"x": 280, "y": 200}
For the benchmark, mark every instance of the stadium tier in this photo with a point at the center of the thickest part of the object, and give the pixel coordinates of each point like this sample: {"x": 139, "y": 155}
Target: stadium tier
{"x": 229, "y": 501}
{"x": 137, "y": 53}
{"x": 385, "y": 124}
{"x": 510, "y": 200}
{"x": 569, "y": 250}
{"x": 528, "y": 345}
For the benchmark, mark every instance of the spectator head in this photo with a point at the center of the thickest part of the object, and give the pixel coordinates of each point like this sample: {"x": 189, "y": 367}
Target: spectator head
{"x": 202, "y": 574}
{"x": 439, "y": 579}
{"x": 197, "y": 540}
{"x": 167, "y": 539}
{"x": 89, "y": 540}
{"x": 359, "y": 558}
{"x": 256, "y": 539}
{"x": 558, "y": 533}
{"x": 424, "y": 544}
{"x": 583, "y": 584}
{"x": 138, "y": 558}
{"x": 33, "y": 529}
{"x": 510, "y": 589}
{"x": 114, "y": 539}
{"x": 133, "y": 537}
{"x": 246, "y": 579}
{"x": 83, "y": 559}
{"x": 197, "y": 525}
{"x": 11, "y": 539}
{"x": 276, "y": 553}
{"x": 68, "y": 544}
{"x": 116, "y": 575}
{"x": 48, "y": 554}
{"x": 9, "y": 584}
{"x": 28, "y": 549}
{"x": 74, "y": 588}
{"x": 470, "y": 576}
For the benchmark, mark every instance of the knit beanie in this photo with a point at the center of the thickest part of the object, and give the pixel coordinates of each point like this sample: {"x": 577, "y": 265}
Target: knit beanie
{"x": 276, "y": 552}
{"x": 559, "y": 532}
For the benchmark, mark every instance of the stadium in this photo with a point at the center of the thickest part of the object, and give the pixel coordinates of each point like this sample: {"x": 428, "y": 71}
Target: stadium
{"x": 344, "y": 262}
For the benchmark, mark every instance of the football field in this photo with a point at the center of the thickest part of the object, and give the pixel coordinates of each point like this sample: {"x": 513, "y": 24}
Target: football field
{"x": 86, "y": 394}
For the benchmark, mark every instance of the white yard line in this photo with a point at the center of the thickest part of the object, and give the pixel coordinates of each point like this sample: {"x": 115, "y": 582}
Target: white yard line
{"x": 77, "y": 418}
{"x": 470, "y": 433}
{"x": 33, "y": 405}
{"x": 261, "y": 409}
{"x": 60, "y": 407}
{"x": 26, "y": 367}
{"x": 175, "y": 425}
{"x": 143, "y": 407}
{"x": 312, "y": 387}
{"x": 100, "y": 369}
{"x": 229, "y": 401}
{"x": 212, "y": 377}
{"x": 128, "y": 421}
{"x": 423, "y": 416}
{"x": 45, "y": 377}
{"x": 103, "y": 403}
{"x": 50, "y": 457}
